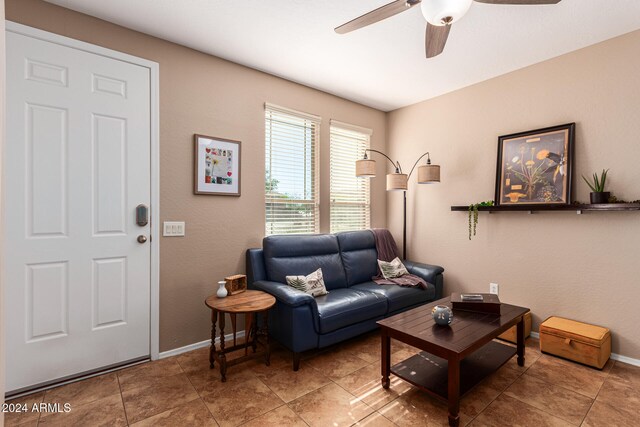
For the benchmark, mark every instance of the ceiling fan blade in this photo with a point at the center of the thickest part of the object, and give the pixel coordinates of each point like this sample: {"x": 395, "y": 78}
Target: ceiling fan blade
{"x": 519, "y": 1}
{"x": 377, "y": 15}
{"x": 435, "y": 39}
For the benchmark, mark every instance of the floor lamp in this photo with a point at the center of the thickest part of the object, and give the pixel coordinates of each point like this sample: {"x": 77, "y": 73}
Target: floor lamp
{"x": 398, "y": 181}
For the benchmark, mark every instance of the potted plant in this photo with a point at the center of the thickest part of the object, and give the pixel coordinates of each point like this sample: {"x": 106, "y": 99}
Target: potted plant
{"x": 598, "y": 195}
{"x": 473, "y": 216}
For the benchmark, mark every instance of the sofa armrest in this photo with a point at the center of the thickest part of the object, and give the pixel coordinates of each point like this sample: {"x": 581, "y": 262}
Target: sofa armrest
{"x": 426, "y": 271}
{"x": 255, "y": 266}
{"x": 285, "y": 293}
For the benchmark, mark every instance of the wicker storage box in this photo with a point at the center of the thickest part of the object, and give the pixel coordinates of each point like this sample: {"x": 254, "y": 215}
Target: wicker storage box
{"x": 511, "y": 333}
{"x": 577, "y": 341}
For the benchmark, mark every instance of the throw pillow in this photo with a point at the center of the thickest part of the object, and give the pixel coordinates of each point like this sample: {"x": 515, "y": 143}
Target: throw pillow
{"x": 393, "y": 269}
{"x": 313, "y": 284}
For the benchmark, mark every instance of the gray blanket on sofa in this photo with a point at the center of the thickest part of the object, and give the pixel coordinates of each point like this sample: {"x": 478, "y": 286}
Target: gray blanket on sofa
{"x": 388, "y": 251}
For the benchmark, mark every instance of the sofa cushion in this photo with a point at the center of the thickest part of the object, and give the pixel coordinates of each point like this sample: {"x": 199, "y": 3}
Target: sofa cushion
{"x": 344, "y": 307}
{"x": 399, "y": 297}
{"x": 313, "y": 284}
{"x": 301, "y": 255}
{"x": 359, "y": 255}
{"x": 393, "y": 269}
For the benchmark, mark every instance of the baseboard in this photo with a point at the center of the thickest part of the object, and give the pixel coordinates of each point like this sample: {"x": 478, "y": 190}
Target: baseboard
{"x": 176, "y": 351}
{"x": 229, "y": 337}
{"x": 614, "y": 356}
{"x": 625, "y": 359}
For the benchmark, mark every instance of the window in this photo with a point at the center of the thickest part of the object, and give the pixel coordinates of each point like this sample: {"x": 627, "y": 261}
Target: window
{"x": 291, "y": 179}
{"x": 350, "y": 196}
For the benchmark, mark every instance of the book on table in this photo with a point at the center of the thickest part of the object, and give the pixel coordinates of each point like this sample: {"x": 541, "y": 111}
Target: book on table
{"x": 471, "y": 297}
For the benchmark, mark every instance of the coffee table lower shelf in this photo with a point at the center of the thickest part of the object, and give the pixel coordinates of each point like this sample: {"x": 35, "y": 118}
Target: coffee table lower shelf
{"x": 429, "y": 372}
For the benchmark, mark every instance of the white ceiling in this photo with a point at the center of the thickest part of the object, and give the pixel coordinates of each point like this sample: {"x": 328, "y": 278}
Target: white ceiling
{"x": 382, "y": 65}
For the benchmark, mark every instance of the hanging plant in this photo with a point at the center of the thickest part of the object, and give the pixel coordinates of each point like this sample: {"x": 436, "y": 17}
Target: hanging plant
{"x": 473, "y": 216}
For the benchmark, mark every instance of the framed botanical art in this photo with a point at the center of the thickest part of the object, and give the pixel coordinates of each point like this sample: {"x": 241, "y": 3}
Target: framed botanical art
{"x": 217, "y": 166}
{"x": 535, "y": 167}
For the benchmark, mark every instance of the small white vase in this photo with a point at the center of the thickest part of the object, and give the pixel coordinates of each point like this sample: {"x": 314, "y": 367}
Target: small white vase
{"x": 222, "y": 290}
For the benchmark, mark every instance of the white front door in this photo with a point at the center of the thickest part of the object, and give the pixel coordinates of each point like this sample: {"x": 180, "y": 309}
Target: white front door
{"x": 77, "y": 163}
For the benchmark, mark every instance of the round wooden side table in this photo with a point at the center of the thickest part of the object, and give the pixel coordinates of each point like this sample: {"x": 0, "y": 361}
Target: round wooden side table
{"x": 250, "y": 303}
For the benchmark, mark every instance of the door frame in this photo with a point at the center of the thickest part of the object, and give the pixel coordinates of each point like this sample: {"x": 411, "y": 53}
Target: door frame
{"x": 154, "y": 69}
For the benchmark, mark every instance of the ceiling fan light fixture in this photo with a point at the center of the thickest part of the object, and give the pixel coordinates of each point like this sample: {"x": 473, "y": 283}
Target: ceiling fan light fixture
{"x": 444, "y": 12}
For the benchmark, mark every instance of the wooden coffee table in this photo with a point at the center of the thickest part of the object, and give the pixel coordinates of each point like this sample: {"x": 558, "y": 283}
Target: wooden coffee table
{"x": 454, "y": 357}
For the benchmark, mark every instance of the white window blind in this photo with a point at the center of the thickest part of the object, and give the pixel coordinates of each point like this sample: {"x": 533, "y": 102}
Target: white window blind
{"x": 291, "y": 164}
{"x": 350, "y": 196}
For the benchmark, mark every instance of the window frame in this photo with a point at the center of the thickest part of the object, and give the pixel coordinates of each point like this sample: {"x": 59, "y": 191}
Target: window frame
{"x": 314, "y": 125}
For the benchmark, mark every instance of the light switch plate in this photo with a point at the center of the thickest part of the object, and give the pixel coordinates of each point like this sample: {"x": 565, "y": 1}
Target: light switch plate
{"x": 173, "y": 228}
{"x": 493, "y": 288}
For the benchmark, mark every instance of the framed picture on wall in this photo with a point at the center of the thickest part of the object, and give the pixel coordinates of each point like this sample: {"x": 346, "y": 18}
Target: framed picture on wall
{"x": 535, "y": 167}
{"x": 217, "y": 166}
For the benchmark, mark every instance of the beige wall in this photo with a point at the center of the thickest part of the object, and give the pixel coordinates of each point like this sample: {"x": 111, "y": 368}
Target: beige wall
{"x": 583, "y": 267}
{"x": 203, "y": 94}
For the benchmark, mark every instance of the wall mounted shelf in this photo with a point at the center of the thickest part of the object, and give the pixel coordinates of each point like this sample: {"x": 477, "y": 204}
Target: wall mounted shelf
{"x": 578, "y": 208}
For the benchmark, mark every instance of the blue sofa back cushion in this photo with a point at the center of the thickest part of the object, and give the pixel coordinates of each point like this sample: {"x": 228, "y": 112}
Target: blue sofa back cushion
{"x": 359, "y": 255}
{"x": 300, "y": 255}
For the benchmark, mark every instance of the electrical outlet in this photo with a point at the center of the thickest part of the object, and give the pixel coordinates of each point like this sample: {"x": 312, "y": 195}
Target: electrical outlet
{"x": 173, "y": 228}
{"x": 493, "y": 288}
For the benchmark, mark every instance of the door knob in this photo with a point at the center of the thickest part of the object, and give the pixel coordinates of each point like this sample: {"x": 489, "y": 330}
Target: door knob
{"x": 142, "y": 238}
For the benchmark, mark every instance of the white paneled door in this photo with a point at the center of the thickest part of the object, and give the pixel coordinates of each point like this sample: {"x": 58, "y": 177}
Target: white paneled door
{"x": 77, "y": 164}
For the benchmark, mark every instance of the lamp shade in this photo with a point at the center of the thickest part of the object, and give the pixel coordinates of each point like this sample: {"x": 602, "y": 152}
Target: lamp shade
{"x": 365, "y": 168}
{"x": 397, "y": 181}
{"x": 428, "y": 174}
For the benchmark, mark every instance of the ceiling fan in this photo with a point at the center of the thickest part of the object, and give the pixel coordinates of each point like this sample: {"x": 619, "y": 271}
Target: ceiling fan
{"x": 440, "y": 15}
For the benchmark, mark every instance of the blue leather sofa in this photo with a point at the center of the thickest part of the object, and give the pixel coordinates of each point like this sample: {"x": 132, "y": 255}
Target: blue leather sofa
{"x": 348, "y": 260}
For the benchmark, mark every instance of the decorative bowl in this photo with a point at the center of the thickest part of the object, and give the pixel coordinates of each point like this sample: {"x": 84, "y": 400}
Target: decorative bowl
{"x": 442, "y": 315}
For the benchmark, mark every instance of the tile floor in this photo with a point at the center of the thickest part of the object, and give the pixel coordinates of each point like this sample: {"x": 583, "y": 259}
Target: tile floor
{"x": 340, "y": 387}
